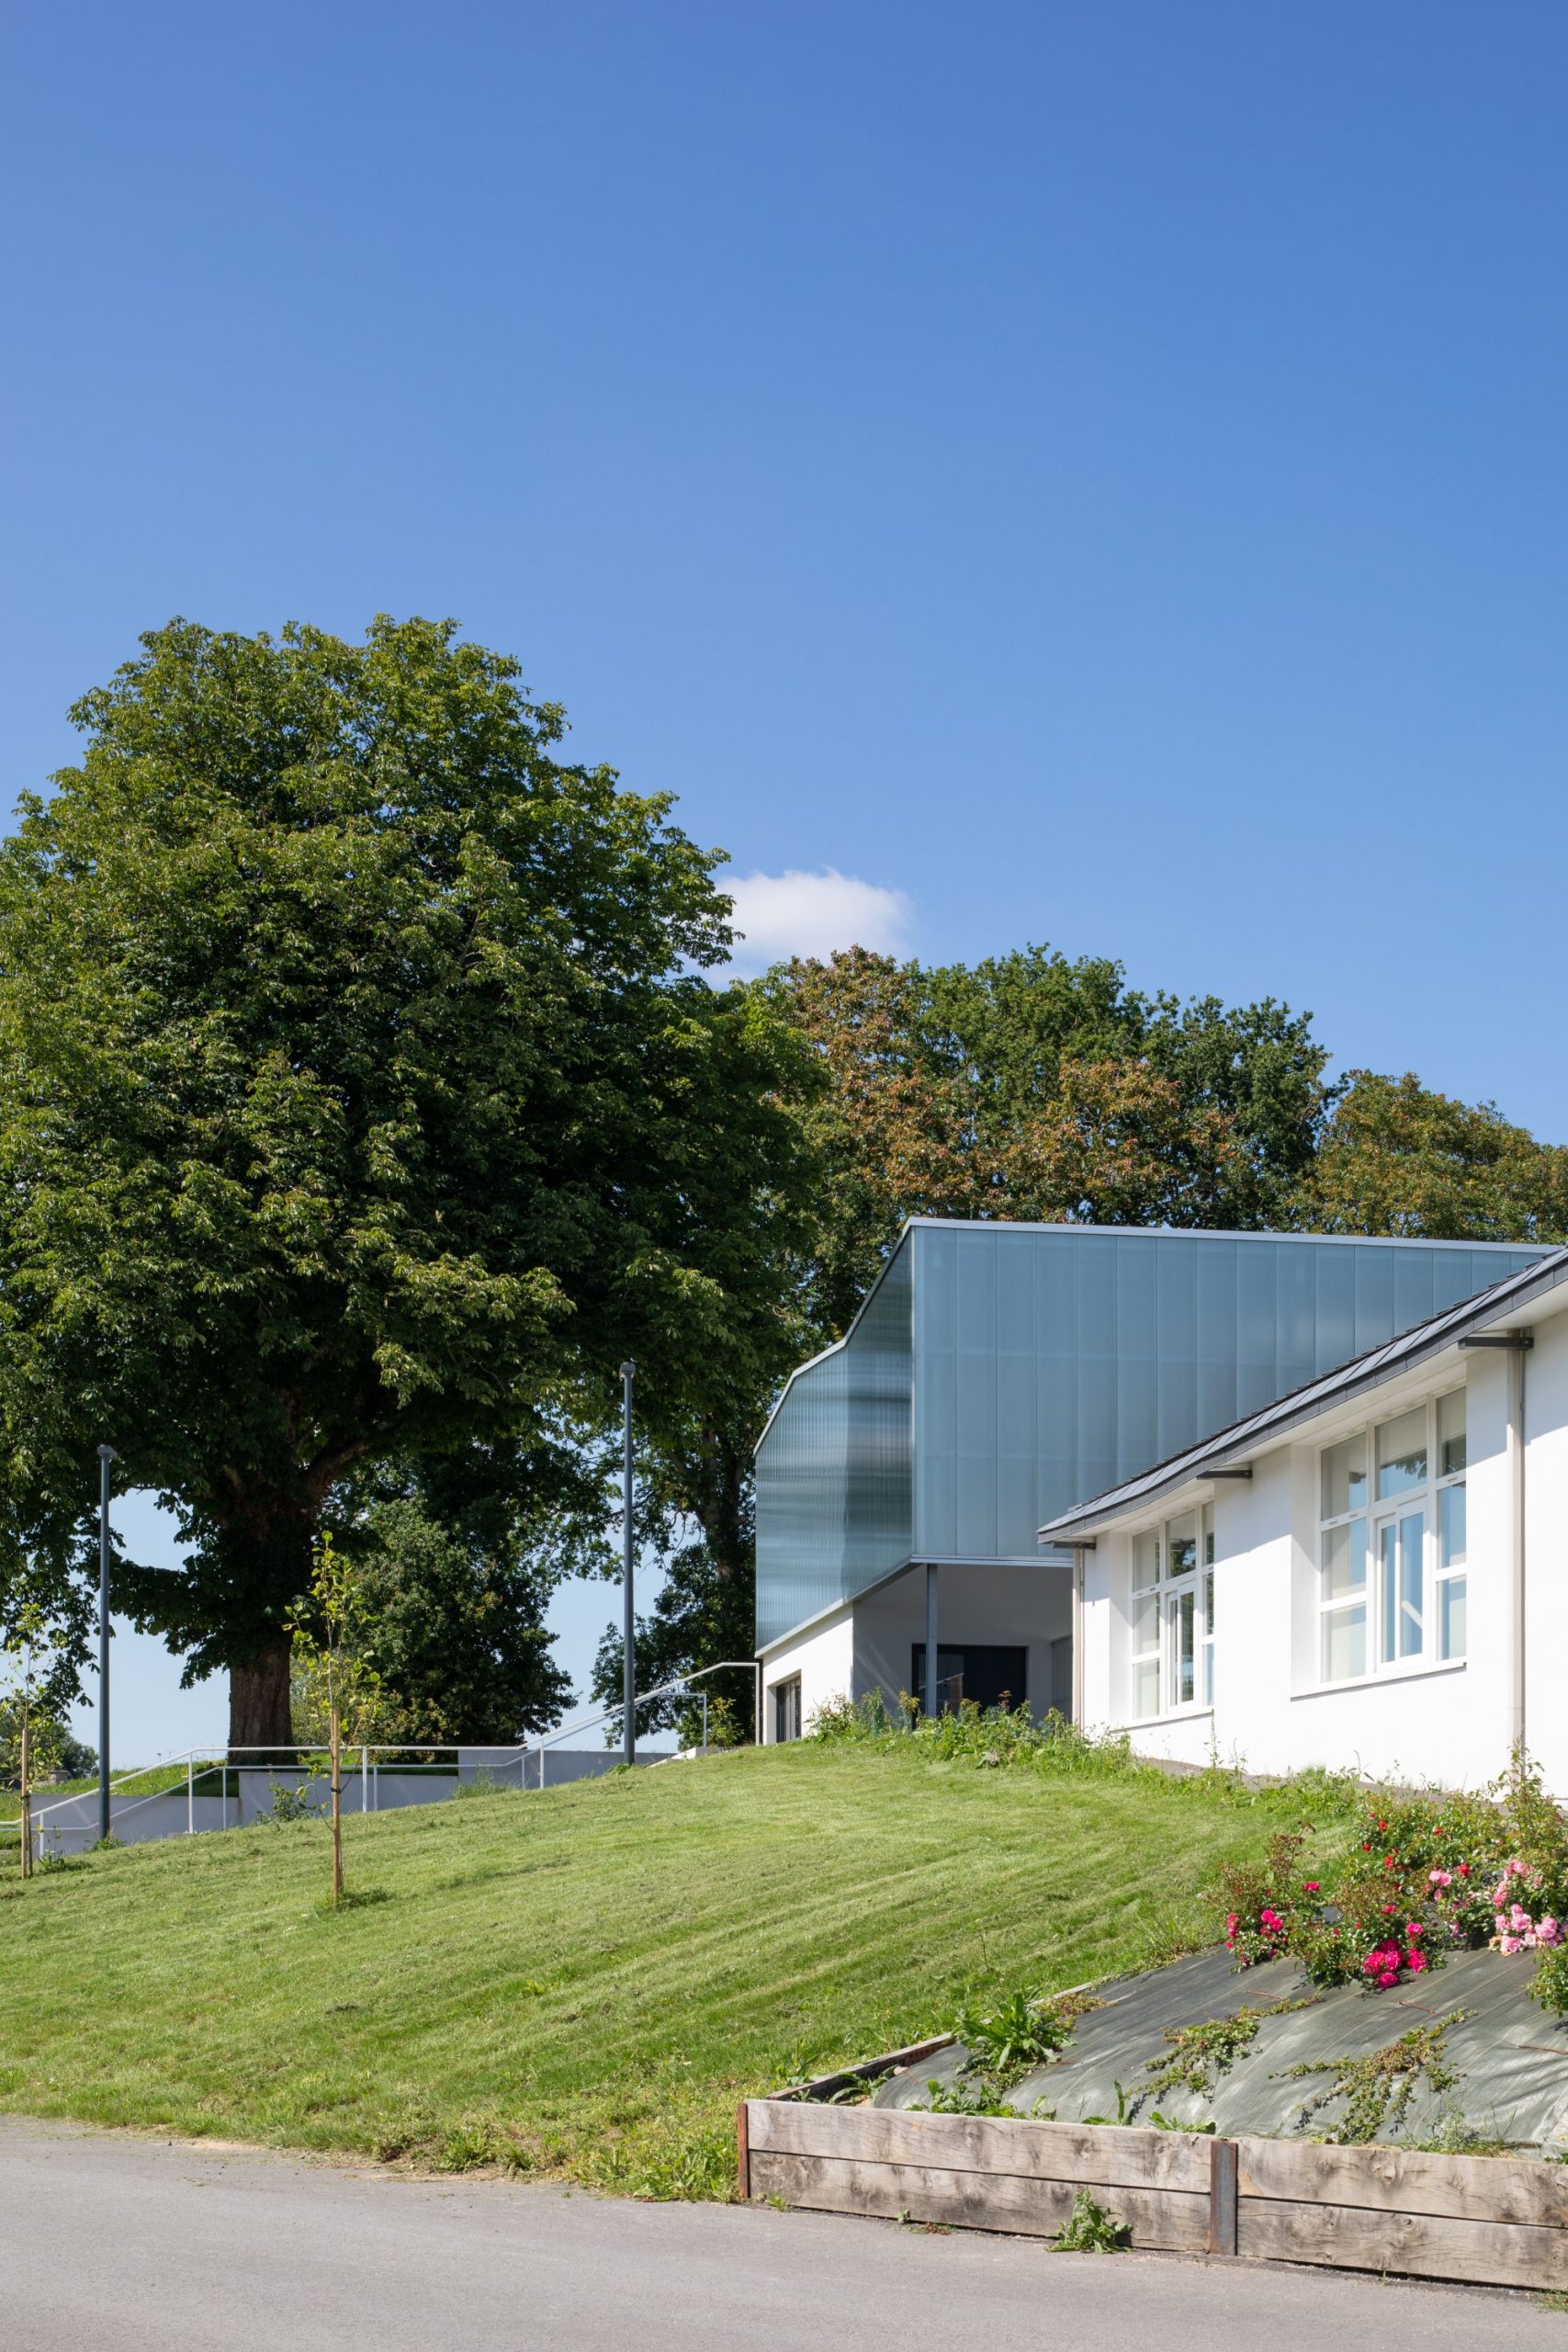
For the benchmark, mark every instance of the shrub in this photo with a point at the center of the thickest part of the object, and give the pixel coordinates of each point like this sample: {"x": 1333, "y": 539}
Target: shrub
{"x": 292, "y": 1805}
{"x": 1425, "y": 1874}
{"x": 722, "y": 1723}
{"x": 985, "y": 1737}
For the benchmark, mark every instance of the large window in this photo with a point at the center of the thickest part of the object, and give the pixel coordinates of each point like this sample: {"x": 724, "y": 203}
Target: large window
{"x": 1392, "y": 1575}
{"x": 1173, "y": 1615}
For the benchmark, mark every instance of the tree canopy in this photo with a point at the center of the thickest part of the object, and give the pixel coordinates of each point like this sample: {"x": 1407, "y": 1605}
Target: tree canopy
{"x": 361, "y": 1098}
{"x": 1034, "y": 1085}
{"x": 1397, "y": 1158}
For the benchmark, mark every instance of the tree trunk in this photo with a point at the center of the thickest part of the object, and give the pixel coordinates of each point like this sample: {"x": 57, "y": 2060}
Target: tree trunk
{"x": 26, "y": 1824}
{"x": 334, "y": 1735}
{"x": 259, "y": 1718}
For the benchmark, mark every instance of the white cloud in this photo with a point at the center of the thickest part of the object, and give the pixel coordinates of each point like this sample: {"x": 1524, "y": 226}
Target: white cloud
{"x": 811, "y": 914}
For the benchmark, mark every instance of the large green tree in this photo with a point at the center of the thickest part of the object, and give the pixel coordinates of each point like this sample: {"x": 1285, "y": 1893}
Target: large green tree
{"x": 1033, "y": 1085}
{"x": 361, "y": 1099}
{"x": 1398, "y": 1157}
{"x": 456, "y": 1558}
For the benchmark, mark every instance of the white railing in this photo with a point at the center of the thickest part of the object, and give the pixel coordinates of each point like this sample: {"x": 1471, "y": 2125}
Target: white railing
{"x": 372, "y": 1759}
{"x": 363, "y": 1761}
{"x": 662, "y": 1690}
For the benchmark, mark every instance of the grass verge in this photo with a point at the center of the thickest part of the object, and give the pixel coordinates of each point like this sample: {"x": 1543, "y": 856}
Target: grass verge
{"x": 583, "y": 1981}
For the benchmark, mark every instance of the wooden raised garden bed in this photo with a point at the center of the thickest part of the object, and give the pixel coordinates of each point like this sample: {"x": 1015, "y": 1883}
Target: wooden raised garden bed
{"x": 1496, "y": 2220}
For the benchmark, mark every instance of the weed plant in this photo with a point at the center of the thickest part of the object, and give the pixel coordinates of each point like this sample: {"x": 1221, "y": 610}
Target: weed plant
{"x": 1089, "y": 2229}
{"x": 1377, "y": 2090}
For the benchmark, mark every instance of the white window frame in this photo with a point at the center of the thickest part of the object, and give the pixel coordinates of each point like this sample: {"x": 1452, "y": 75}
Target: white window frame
{"x": 1168, "y": 1592}
{"x": 1375, "y": 1514}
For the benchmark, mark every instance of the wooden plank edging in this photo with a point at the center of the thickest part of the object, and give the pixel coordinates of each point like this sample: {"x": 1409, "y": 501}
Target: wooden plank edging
{"x": 1518, "y": 2189}
{"x": 822, "y": 2086}
{"x": 1420, "y": 2245}
{"x": 1087, "y": 2155}
{"x": 1494, "y": 2220}
{"x": 1161, "y": 2220}
{"x": 1222, "y": 2197}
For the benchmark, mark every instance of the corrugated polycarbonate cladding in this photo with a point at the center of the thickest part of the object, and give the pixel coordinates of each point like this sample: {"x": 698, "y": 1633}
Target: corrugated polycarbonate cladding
{"x": 833, "y": 1474}
{"x": 1001, "y": 1374}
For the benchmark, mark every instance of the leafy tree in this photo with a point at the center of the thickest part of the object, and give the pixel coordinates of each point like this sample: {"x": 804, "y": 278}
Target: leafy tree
{"x": 455, "y": 1588}
{"x": 1033, "y": 1086}
{"x": 361, "y": 1100}
{"x": 1399, "y": 1159}
{"x": 331, "y": 1656}
{"x": 1121, "y": 1145}
{"x": 56, "y": 1753}
{"x": 32, "y": 1738}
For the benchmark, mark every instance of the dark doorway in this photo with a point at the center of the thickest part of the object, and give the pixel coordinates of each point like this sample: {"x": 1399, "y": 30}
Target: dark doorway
{"x": 991, "y": 1673}
{"x": 786, "y": 1709}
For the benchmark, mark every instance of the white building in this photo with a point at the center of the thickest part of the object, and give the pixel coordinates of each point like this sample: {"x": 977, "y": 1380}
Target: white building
{"x": 999, "y": 1374}
{"x": 1371, "y": 1572}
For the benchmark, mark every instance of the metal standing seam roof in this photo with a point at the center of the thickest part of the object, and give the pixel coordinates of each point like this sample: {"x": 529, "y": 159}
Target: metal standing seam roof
{"x": 1381, "y": 1363}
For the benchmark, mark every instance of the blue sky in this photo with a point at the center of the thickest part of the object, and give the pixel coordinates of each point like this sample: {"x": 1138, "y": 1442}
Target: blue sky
{"x": 1092, "y": 473}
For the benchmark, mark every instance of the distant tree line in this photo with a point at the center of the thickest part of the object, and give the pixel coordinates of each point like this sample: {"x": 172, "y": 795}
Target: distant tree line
{"x": 370, "y": 1087}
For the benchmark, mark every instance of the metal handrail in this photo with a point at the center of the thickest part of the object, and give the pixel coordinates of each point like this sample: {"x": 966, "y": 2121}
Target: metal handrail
{"x": 220, "y": 1756}
{"x": 662, "y": 1690}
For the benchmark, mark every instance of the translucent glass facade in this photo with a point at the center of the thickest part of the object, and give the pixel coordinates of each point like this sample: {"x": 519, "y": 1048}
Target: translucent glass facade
{"x": 835, "y": 1466}
{"x": 997, "y": 1375}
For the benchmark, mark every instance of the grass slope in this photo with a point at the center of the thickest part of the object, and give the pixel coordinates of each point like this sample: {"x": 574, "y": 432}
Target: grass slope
{"x": 586, "y": 1980}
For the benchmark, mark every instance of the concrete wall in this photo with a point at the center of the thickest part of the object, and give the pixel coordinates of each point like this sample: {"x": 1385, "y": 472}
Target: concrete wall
{"x": 985, "y": 1602}
{"x": 866, "y": 1645}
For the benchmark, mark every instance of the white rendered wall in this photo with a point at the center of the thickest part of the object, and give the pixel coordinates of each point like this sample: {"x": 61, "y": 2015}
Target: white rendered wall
{"x": 1546, "y": 1551}
{"x": 824, "y": 1659}
{"x": 1446, "y": 1723}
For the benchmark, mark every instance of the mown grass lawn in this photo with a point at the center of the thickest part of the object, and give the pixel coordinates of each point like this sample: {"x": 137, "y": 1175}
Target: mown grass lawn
{"x": 585, "y": 1980}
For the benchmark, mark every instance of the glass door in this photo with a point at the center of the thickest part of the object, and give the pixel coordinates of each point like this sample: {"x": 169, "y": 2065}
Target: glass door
{"x": 1183, "y": 1607}
{"x": 1401, "y": 1542}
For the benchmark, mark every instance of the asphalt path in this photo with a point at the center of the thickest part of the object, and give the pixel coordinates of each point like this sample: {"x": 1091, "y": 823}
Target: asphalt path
{"x": 130, "y": 2245}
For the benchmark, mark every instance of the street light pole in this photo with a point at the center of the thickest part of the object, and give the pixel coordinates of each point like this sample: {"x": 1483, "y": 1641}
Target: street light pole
{"x": 106, "y": 1455}
{"x": 628, "y": 1667}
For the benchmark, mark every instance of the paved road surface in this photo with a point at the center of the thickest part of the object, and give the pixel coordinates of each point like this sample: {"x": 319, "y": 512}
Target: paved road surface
{"x": 142, "y": 2246}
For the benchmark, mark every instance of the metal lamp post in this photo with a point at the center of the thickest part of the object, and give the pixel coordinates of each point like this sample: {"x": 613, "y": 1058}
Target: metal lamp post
{"x": 628, "y": 1666}
{"x": 106, "y": 1455}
